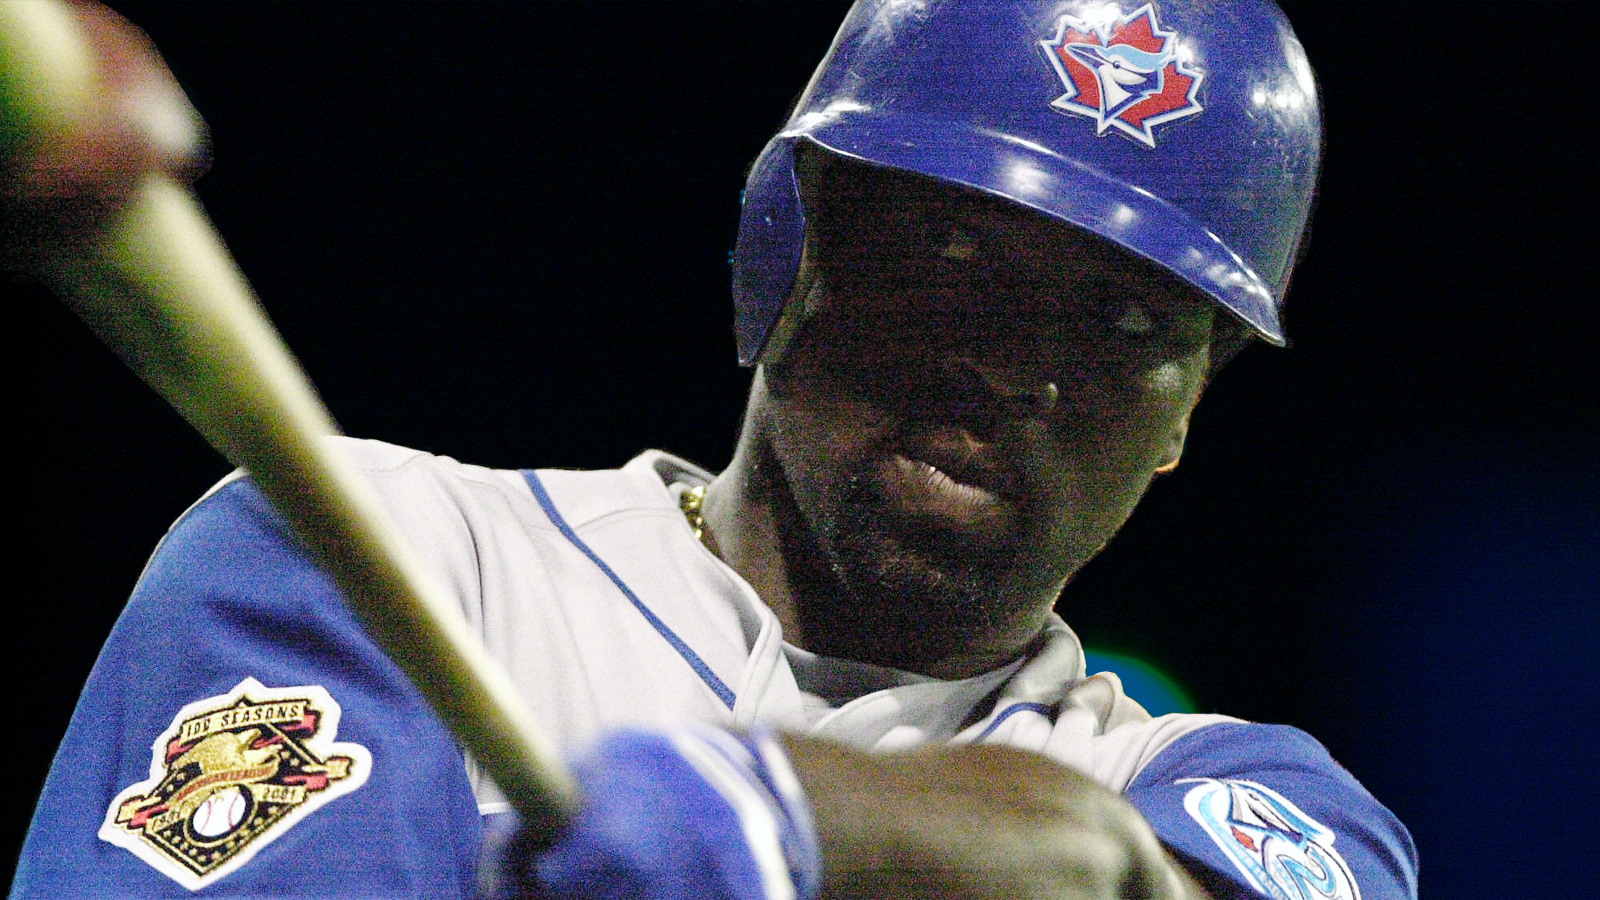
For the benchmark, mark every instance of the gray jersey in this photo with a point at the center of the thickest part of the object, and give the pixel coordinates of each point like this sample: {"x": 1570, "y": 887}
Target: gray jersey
{"x": 592, "y": 591}
{"x": 607, "y": 611}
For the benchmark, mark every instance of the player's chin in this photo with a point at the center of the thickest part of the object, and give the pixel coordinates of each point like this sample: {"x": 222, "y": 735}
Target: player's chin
{"x": 913, "y": 585}
{"x": 1005, "y": 556}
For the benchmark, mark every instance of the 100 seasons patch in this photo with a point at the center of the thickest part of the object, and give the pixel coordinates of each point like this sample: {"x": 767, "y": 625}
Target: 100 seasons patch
{"x": 232, "y": 774}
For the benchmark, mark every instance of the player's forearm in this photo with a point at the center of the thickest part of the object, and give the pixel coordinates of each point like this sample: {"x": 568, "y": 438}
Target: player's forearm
{"x": 976, "y": 822}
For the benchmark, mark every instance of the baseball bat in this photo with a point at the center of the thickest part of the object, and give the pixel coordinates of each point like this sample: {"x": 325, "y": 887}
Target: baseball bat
{"x": 159, "y": 288}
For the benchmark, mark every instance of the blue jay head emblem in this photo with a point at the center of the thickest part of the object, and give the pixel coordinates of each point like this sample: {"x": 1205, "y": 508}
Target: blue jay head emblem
{"x": 1124, "y": 72}
{"x": 1281, "y": 851}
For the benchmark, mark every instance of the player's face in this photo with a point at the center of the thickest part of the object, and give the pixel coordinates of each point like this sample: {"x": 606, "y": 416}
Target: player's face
{"x": 979, "y": 404}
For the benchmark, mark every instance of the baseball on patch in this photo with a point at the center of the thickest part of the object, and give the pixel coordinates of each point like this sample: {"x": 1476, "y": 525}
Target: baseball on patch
{"x": 220, "y": 813}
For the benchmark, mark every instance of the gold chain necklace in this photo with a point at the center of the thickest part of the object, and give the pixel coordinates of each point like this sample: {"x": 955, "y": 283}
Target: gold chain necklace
{"x": 690, "y": 502}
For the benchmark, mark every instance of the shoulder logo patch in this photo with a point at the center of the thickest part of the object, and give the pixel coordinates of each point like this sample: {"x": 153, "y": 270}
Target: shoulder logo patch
{"x": 1282, "y": 852}
{"x": 230, "y": 775}
{"x": 1124, "y": 72}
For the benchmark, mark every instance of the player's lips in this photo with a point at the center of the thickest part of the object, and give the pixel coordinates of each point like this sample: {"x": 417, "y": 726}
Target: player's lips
{"x": 943, "y": 479}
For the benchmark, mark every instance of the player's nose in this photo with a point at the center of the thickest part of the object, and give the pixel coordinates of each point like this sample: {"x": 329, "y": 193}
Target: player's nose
{"x": 986, "y": 394}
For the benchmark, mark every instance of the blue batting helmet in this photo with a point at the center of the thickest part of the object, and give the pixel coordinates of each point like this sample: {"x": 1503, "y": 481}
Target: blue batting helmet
{"x": 1186, "y": 131}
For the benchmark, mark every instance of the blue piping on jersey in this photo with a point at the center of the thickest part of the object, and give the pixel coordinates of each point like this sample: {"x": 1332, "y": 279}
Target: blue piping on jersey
{"x": 693, "y": 659}
{"x": 1010, "y": 711}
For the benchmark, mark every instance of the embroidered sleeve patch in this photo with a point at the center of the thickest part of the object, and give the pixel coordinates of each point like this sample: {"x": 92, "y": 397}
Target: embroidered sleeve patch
{"x": 1282, "y": 852}
{"x": 232, "y": 774}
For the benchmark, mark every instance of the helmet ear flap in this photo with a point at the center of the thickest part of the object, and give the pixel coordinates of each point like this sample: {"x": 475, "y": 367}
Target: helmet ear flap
{"x": 766, "y": 256}
{"x": 806, "y": 297}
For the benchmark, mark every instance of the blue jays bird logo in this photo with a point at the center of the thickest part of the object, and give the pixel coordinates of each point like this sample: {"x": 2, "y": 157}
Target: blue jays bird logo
{"x": 1283, "y": 852}
{"x": 1124, "y": 72}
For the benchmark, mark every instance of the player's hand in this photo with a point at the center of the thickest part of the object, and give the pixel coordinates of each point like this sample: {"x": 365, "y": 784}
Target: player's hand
{"x": 686, "y": 814}
{"x": 703, "y": 814}
{"x": 65, "y": 172}
{"x": 964, "y": 823}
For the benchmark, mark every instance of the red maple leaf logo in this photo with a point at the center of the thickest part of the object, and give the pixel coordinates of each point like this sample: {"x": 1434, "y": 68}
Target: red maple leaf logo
{"x": 1127, "y": 74}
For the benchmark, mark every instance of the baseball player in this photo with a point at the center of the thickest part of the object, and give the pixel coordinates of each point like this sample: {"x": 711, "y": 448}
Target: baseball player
{"x": 983, "y": 274}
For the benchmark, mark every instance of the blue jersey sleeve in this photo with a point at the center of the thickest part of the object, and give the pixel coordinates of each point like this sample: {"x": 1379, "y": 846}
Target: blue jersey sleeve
{"x": 1264, "y": 811}
{"x": 241, "y": 736}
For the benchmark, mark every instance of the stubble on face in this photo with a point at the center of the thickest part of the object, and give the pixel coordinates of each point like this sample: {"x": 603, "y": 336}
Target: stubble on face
{"x": 885, "y": 582}
{"x": 886, "y": 587}
{"x": 870, "y": 596}
{"x": 891, "y": 575}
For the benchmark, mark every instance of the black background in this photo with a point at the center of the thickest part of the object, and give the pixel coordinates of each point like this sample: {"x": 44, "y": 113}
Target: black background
{"x": 500, "y": 233}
